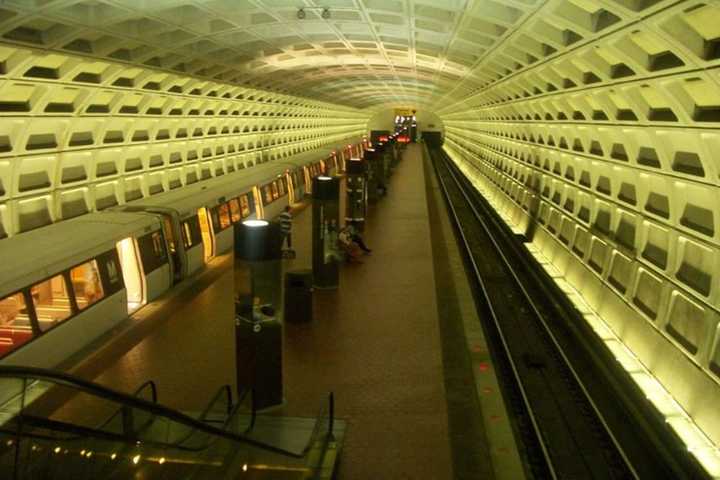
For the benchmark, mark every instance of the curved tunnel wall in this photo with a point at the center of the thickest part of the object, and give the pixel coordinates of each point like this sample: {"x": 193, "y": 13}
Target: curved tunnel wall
{"x": 610, "y": 118}
{"x": 79, "y": 135}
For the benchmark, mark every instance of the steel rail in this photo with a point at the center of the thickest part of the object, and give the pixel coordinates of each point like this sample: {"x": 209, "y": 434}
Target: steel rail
{"x": 506, "y": 347}
{"x": 533, "y": 305}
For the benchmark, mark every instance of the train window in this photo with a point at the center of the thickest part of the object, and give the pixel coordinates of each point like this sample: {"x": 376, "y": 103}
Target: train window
{"x": 245, "y": 206}
{"x": 86, "y": 284}
{"x": 152, "y": 251}
{"x": 109, "y": 267}
{"x": 15, "y": 328}
{"x": 274, "y": 187}
{"x": 267, "y": 195}
{"x": 224, "y": 214}
{"x": 235, "y": 214}
{"x": 51, "y": 300}
{"x": 252, "y": 200}
{"x": 191, "y": 231}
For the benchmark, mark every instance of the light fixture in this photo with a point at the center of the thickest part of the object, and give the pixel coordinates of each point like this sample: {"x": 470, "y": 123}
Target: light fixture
{"x": 324, "y": 12}
{"x": 324, "y": 179}
{"x": 255, "y": 223}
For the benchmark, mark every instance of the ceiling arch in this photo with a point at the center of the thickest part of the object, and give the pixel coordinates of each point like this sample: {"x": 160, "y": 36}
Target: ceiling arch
{"x": 407, "y": 50}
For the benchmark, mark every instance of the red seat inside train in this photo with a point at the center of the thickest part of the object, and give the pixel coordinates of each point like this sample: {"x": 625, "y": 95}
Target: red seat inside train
{"x": 11, "y": 338}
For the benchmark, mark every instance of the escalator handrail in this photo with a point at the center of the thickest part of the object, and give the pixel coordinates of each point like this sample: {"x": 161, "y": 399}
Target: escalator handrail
{"x": 153, "y": 390}
{"x": 231, "y": 409}
{"x": 85, "y": 386}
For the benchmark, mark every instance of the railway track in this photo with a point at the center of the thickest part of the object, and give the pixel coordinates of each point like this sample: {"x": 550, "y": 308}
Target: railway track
{"x": 549, "y": 382}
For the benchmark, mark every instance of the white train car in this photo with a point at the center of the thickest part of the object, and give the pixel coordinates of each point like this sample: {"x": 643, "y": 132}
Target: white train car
{"x": 197, "y": 219}
{"x": 64, "y": 285}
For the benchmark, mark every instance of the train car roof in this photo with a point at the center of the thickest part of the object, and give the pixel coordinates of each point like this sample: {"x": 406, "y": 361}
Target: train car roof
{"x": 32, "y": 256}
{"x": 207, "y": 192}
{"x": 319, "y": 154}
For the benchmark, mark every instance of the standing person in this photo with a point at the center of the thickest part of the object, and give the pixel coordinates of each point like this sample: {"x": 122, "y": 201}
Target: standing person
{"x": 285, "y": 219}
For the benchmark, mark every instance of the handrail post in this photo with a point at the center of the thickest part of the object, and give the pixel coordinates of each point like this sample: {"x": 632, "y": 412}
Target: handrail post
{"x": 127, "y": 421}
{"x": 252, "y": 408}
{"x": 16, "y": 470}
{"x": 331, "y": 414}
{"x": 229, "y": 399}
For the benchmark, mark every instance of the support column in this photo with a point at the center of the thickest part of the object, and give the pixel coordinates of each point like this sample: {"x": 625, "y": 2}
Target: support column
{"x": 325, "y": 226}
{"x": 356, "y": 187}
{"x": 258, "y": 328}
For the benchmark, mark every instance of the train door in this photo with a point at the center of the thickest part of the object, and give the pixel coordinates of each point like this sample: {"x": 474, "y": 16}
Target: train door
{"x": 290, "y": 188}
{"x": 308, "y": 179}
{"x": 132, "y": 273}
{"x": 257, "y": 199}
{"x": 173, "y": 247}
{"x": 207, "y": 233}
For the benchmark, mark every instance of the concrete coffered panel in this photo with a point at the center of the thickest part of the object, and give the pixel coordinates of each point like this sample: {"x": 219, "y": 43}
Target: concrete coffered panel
{"x": 606, "y": 112}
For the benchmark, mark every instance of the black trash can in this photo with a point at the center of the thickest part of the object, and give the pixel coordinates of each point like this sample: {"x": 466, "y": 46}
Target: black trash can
{"x": 298, "y": 296}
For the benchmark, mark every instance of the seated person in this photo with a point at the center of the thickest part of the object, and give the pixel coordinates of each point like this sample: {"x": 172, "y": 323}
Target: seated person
{"x": 351, "y": 249}
{"x": 355, "y": 237}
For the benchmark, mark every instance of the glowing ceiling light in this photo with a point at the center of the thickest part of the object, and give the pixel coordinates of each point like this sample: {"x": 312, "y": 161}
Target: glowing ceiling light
{"x": 256, "y": 223}
{"x": 162, "y": 460}
{"x": 136, "y": 459}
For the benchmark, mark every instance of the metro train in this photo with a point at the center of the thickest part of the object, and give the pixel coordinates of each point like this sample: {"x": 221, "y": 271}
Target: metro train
{"x": 64, "y": 285}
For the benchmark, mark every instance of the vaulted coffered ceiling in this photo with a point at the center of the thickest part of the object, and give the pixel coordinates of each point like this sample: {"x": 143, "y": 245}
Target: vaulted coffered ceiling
{"x": 368, "y": 53}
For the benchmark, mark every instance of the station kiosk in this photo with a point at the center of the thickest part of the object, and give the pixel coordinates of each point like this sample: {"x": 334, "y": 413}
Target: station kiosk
{"x": 325, "y": 229}
{"x": 356, "y": 205}
{"x": 258, "y": 327}
{"x": 375, "y": 172}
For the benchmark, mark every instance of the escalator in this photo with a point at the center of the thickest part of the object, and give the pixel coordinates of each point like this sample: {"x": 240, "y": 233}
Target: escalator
{"x": 57, "y": 426}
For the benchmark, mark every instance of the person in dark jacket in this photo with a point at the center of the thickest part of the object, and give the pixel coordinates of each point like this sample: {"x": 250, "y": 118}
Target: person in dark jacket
{"x": 356, "y": 237}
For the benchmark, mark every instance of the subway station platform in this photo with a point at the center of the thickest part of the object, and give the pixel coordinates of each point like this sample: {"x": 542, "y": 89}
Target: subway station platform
{"x": 397, "y": 343}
